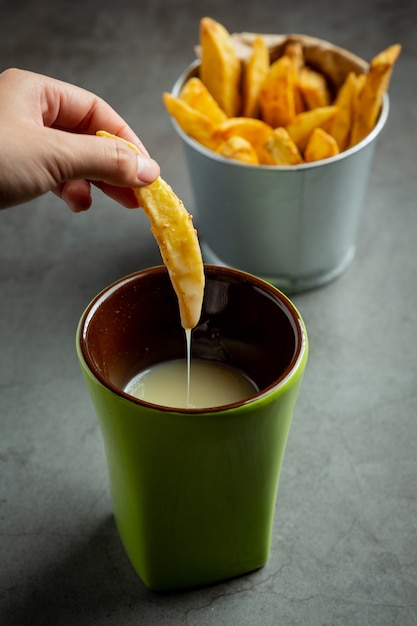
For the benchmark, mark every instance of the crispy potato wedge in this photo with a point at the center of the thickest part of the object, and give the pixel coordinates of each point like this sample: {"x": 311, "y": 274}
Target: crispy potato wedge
{"x": 239, "y": 149}
{"x": 220, "y": 68}
{"x": 320, "y": 146}
{"x": 314, "y": 88}
{"x": 198, "y": 97}
{"x": 360, "y": 82}
{"x": 255, "y": 131}
{"x": 282, "y": 149}
{"x": 277, "y": 94}
{"x": 303, "y": 125}
{"x": 300, "y": 105}
{"x": 375, "y": 86}
{"x": 294, "y": 50}
{"x": 254, "y": 73}
{"x": 173, "y": 229}
{"x": 292, "y": 82}
{"x": 193, "y": 122}
{"x": 340, "y": 125}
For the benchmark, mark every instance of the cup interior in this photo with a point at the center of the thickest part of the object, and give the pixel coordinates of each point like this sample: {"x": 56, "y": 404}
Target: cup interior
{"x": 245, "y": 323}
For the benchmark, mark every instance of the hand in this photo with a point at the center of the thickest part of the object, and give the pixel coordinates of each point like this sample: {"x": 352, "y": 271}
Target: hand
{"x": 48, "y": 143}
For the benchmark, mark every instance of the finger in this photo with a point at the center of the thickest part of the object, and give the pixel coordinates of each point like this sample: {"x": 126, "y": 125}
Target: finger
{"x": 100, "y": 159}
{"x": 72, "y": 108}
{"x": 76, "y": 194}
{"x": 123, "y": 195}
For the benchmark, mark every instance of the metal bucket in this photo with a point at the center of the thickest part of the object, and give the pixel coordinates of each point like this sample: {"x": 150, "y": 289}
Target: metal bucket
{"x": 295, "y": 226}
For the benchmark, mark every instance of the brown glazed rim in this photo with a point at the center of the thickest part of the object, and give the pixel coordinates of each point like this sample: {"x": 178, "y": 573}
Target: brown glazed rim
{"x": 275, "y": 293}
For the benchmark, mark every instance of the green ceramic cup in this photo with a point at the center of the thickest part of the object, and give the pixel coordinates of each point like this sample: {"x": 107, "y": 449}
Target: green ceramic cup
{"x": 193, "y": 490}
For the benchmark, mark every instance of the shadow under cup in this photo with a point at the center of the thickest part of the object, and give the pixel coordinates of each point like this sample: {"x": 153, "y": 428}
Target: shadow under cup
{"x": 193, "y": 490}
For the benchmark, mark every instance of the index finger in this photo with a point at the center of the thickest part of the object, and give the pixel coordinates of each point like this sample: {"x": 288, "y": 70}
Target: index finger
{"x": 74, "y": 109}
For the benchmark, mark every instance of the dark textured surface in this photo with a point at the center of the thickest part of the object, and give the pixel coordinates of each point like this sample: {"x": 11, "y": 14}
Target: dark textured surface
{"x": 344, "y": 547}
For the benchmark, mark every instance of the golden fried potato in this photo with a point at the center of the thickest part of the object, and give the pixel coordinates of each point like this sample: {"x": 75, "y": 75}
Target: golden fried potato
{"x": 282, "y": 148}
{"x": 314, "y": 88}
{"x": 239, "y": 149}
{"x": 320, "y": 146}
{"x": 300, "y": 105}
{"x": 198, "y": 97}
{"x": 340, "y": 125}
{"x": 294, "y": 50}
{"x": 360, "y": 82}
{"x": 303, "y": 125}
{"x": 292, "y": 82}
{"x": 372, "y": 94}
{"x": 173, "y": 229}
{"x": 254, "y": 73}
{"x": 193, "y": 123}
{"x": 277, "y": 94}
{"x": 256, "y": 132}
{"x": 220, "y": 68}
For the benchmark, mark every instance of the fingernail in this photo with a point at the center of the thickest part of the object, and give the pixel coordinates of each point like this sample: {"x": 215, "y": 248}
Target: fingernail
{"x": 148, "y": 170}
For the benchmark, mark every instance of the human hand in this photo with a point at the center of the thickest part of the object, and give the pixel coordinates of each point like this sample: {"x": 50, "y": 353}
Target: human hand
{"x": 48, "y": 143}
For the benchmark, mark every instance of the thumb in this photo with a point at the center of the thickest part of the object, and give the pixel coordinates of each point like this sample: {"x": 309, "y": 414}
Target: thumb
{"x": 103, "y": 160}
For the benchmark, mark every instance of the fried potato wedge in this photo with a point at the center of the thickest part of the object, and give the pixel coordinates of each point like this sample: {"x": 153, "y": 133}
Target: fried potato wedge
{"x": 177, "y": 239}
{"x": 198, "y": 97}
{"x": 277, "y": 94}
{"x": 375, "y": 86}
{"x": 193, "y": 122}
{"x": 254, "y": 73}
{"x": 220, "y": 68}
{"x": 256, "y": 132}
{"x": 239, "y": 149}
{"x": 320, "y": 146}
{"x": 340, "y": 125}
{"x": 294, "y": 50}
{"x": 303, "y": 125}
{"x": 314, "y": 88}
{"x": 282, "y": 149}
{"x": 360, "y": 82}
{"x": 173, "y": 229}
{"x": 292, "y": 82}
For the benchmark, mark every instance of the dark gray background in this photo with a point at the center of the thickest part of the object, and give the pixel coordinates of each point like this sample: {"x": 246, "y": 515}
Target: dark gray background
{"x": 344, "y": 547}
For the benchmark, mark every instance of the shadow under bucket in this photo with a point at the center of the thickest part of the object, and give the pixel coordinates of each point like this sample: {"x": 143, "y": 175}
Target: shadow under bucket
{"x": 295, "y": 226}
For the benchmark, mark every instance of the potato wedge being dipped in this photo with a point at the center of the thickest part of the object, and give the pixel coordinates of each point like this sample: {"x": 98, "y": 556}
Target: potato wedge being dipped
{"x": 173, "y": 229}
